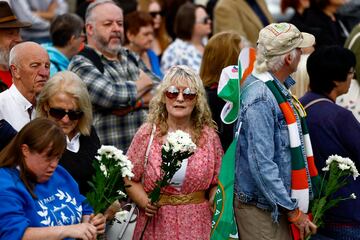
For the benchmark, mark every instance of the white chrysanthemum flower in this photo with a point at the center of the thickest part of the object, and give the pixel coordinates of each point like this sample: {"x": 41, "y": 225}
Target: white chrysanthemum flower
{"x": 121, "y": 194}
{"x": 125, "y": 164}
{"x": 105, "y": 149}
{"x": 355, "y": 172}
{"x": 103, "y": 169}
{"x": 179, "y": 141}
{"x": 127, "y": 173}
{"x": 121, "y": 215}
{"x": 353, "y": 196}
{"x": 343, "y": 166}
{"x": 119, "y": 155}
{"x": 327, "y": 168}
{"x": 98, "y": 158}
{"x": 330, "y": 159}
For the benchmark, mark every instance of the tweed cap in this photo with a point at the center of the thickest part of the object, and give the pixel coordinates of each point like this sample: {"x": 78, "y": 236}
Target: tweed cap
{"x": 281, "y": 38}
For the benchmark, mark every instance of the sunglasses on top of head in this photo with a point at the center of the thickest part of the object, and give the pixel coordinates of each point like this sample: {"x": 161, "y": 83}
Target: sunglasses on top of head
{"x": 173, "y": 92}
{"x": 155, "y": 13}
{"x": 59, "y": 113}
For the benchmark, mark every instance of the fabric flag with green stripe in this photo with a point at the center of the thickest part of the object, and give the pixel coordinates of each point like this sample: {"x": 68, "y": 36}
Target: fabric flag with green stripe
{"x": 223, "y": 223}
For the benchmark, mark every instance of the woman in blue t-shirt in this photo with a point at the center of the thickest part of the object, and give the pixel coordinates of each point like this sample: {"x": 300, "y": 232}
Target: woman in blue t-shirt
{"x": 39, "y": 199}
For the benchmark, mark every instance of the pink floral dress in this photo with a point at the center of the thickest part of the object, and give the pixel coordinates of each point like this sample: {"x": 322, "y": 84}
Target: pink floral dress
{"x": 189, "y": 221}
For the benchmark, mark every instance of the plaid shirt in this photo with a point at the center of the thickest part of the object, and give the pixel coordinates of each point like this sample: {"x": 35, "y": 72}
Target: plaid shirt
{"x": 113, "y": 89}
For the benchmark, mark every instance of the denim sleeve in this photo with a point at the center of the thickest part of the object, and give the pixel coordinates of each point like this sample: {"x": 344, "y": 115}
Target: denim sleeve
{"x": 259, "y": 126}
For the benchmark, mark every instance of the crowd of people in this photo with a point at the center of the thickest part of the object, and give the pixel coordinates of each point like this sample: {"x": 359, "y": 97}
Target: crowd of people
{"x": 128, "y": 73}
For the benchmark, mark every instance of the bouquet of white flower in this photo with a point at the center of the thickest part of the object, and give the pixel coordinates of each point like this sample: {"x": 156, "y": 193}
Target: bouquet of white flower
{"x": 107, "y": 184}
{"x": 339, "y": 169}
{"x": 178, "y": 146}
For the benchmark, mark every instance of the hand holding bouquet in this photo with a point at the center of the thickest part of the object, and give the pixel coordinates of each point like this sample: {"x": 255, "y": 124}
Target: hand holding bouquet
{"x": 178, "y": 146}
{"x": 338, "y": 169}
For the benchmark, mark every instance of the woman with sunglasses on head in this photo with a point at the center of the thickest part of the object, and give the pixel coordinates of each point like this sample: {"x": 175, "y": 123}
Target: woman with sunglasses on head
{"x": 185, "y": 209}
{"x": 192, "y": 26}
{"x": 161, "y": 37}
{"x": 39, "y": 199}
{"x": 65, "y": 100}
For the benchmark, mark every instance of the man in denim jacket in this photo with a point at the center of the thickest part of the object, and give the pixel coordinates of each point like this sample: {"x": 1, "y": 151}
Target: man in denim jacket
{"x": 263, "y": 202}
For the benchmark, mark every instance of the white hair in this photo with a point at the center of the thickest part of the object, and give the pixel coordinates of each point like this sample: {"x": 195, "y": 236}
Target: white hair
{"x": 4, "y": 57}
{"x": 272, "y": 63}
{"x": 89, "y": 18}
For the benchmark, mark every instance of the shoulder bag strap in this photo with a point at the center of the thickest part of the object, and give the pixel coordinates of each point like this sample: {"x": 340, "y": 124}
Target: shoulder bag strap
{"x": 316, "y": 101}
{"x": 90, "y": 54}
{"x": 148, "y": 150}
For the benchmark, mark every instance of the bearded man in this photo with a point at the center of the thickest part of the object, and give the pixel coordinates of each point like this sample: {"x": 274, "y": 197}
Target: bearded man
{"x": 117, "y": 79}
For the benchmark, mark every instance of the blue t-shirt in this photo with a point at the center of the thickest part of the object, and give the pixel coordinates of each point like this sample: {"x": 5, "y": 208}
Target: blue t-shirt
{"x": 58, "y": 203}
{"x": 155, "y": 64}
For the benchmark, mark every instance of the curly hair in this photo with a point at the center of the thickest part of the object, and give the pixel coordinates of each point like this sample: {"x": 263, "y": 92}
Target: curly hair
{"x": 200, "y": 116}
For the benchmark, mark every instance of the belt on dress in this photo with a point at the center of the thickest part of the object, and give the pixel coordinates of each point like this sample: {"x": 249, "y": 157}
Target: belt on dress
{"x": 191, "y": 198}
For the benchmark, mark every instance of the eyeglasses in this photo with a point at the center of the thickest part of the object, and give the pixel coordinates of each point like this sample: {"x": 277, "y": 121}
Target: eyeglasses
{"x": 205, "y": 20}
{"x": 173, "y": 92}
{"x": 155, "y": 13}
{"x": 59, "y": 113}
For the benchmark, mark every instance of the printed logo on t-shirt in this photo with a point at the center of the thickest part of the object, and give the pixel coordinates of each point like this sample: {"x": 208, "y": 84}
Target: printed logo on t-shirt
{"x": 59, "y": 209}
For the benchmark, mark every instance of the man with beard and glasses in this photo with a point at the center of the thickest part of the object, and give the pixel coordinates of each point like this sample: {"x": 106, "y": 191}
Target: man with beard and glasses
{"x": 30, "y": 69}
{"x": 117, "y": 80}
{"x": 9, "y": 37}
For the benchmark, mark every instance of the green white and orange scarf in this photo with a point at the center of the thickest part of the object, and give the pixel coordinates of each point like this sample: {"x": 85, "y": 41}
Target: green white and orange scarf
{"x": 299, "y": 177}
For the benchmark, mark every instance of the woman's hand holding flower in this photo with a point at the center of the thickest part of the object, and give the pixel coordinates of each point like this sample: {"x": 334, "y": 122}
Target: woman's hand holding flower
{"x": 150, "y": 208}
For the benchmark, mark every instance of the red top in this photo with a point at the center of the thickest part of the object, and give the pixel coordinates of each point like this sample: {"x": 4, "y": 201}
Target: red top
{"x": 5, "y": 76}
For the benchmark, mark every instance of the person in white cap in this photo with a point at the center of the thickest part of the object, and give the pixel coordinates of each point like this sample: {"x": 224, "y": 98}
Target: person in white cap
{"x": 273, "y": 157}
